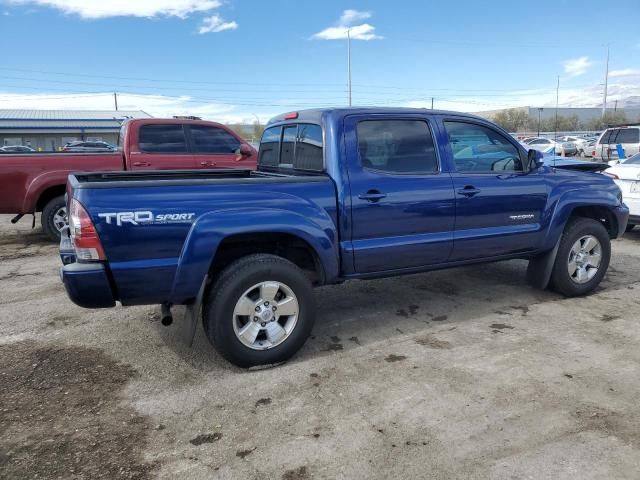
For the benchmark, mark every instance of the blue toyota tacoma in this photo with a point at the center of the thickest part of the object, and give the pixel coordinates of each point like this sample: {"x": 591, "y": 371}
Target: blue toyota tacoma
{"x": 347, "y": 193}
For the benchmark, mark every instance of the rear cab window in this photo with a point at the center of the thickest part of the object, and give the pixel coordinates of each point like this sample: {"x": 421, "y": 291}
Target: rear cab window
{"x": 162, "y": 138}
{"x": 292, "y": 147}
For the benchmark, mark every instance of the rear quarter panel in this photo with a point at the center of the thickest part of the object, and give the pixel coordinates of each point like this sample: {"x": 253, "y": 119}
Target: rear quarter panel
{"x": 167, "y": 261}
{"x": 23, "y": 178}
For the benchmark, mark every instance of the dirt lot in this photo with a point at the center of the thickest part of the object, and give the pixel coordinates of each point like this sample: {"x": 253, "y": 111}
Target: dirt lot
{"x": 466, "y": 373}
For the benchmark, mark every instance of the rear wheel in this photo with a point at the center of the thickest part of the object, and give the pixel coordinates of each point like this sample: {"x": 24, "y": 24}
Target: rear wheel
{"x": 260, "y": 311}
{"x": 582, "y": 259}
{"x": 54, "y": 218}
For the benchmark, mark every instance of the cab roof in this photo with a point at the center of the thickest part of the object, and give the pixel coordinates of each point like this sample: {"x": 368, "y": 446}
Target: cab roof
{"x": 314, "y": 115}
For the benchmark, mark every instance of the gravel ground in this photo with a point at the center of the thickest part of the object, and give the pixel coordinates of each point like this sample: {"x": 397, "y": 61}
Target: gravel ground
{"x": 466, "y": 373}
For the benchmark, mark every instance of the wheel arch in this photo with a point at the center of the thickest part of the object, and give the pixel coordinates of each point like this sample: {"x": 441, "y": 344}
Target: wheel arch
{"x": 219, "y": 238}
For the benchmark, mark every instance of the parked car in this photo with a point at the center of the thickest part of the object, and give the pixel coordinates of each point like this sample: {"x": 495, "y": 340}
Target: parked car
{"x": 626, "y": 174}
{"x": 606, "y": 148}
{"x": 351, "y": 193}
{"x": 540, "y": 144}
{"x": 589, "y": 148}
{"x": 38, "y": 185}
{"x": 82, "y": 146}
{"x": 16, "y": 149}
{"x": 579, "y": 142}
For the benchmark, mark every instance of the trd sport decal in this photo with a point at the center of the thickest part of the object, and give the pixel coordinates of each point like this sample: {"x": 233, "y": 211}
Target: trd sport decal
{"x": 145, "y": 217}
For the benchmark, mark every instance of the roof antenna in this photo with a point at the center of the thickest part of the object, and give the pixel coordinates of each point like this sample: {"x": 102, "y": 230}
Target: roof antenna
{"x": 555, "y": 135}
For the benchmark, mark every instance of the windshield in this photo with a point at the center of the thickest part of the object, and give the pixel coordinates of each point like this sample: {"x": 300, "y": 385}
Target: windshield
{"x": 634, "y": 160}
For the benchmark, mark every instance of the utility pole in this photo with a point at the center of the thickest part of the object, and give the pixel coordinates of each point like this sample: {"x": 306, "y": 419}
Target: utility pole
{"x": 349, "y": 61}
{"x": 115, "y": 100}
{"x": 539, "y": 113}
{"x": 557, "y": 101}
{"x": 431, "y": 103}
{"x": 615, "y": 108}
{"x": 606, "y": 83}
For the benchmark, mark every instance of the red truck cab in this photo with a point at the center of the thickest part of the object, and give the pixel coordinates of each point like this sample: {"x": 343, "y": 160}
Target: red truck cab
{"x": 36, "y": 182}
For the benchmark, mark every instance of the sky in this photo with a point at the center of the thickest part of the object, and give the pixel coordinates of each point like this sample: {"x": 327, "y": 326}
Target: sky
{"x": 246, "y": 60}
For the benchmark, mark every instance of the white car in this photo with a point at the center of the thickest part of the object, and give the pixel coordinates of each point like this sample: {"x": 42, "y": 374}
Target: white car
{"x": 541, "y": 144}
{"x": 627, "y": 176}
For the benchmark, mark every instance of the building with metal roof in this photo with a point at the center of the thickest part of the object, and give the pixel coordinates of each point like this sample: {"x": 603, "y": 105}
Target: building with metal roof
{"x": 50, "y": 130}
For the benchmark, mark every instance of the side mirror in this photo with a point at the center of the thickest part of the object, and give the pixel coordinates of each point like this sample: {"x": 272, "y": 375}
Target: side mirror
{"x": 245, "y": 150}
{"x": 535, "y": 159}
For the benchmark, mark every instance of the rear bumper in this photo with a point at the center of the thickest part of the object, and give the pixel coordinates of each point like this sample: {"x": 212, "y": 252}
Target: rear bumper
{"x": 622, "y": 216}
{"x": 87, "y": 285}
{"x": 634, "y": 220}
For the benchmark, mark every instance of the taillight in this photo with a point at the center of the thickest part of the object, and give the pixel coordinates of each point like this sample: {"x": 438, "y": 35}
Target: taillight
{"x": 83, "y": 234}
{"x": 593, "y": 153}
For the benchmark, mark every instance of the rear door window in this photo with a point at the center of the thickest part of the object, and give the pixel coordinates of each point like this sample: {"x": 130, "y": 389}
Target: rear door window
{"x": 159, "y": 138}
{"x": 397, "y": 146}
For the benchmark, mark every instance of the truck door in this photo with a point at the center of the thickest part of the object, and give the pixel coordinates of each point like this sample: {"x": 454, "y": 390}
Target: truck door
{"x": 498, "y": 206}
{"x": 402, "y": 203}
{"x": 215, "y": 147}
{"x": 161, "y": 146}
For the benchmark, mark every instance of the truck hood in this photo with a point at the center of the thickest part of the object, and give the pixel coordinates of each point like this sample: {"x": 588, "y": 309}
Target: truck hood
{"x": 567, "y": 164}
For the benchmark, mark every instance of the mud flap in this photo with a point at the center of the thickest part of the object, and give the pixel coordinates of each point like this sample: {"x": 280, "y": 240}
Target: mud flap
{"x": 191, "y": 316}
{"x": 540, "y": 267}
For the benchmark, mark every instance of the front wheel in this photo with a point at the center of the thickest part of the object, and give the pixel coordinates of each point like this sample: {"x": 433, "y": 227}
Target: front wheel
{"x": 582, "y": 259}
{"x": 54, "y": 218}
{"x": 260, "y": 311}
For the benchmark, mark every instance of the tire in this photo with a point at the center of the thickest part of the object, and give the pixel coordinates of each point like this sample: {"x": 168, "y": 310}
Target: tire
{"x": 254, "y": 278}
{"x": 51, "y": 217}
{"x": 629, "y": 228}
{"x": 584, "y": 279}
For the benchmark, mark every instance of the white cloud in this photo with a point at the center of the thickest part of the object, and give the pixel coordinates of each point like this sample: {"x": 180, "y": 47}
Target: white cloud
{"x": 160, "y": 106}
{"x": 626, "y": 72}
{"x": 577, "y": 66}
{"x": 349, "y": 17}
{"x": 215, "y": 23}
{"x": 121, "y": 8}
{"x": 346, "y": 23}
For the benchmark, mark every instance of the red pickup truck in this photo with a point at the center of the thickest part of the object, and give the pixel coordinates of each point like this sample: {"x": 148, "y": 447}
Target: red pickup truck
{"x": 32, "y": 183}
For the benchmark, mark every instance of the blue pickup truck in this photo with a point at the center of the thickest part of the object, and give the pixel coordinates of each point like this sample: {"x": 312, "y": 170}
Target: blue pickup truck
{"x": 347, "y": 193}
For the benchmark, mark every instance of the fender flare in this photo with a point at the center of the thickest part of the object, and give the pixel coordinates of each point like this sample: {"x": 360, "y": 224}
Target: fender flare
{"x": 563, "y": 209}
{"x": 40, "y": 184}
{"x": 209, "y": 230}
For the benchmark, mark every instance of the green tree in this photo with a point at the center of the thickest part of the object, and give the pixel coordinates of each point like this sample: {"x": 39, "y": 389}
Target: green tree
{"x": 609, "y": 118}
{"x": 512, "y": 119}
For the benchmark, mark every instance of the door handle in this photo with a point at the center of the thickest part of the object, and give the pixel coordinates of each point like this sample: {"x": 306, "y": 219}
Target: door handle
{"x": 372, "y": 196}
{"x": 141, "y": 164}
{"x": 204, "y": 164}
{"x": 468, "y": 191}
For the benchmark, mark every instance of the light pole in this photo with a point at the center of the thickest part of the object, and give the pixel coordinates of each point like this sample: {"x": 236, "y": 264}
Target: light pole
{"x": 606, "y": 84}
{"x": 539, "y": 112}
{"x": 349, "y": 62}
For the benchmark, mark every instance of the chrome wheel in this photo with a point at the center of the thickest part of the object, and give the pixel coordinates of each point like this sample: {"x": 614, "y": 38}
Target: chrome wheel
{"x": 584, "y": 259}
{"x": 60, "y": 218}
{"x": 265, "y": 315}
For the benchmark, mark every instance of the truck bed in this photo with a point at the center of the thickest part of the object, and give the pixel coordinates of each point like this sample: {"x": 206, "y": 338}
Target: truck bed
{"x": 162, "y": 208}
{"x": 131, "y": 179}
